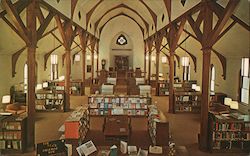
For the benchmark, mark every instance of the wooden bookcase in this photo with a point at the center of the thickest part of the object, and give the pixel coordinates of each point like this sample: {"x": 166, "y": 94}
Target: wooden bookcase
{"x": 12, "y": 134}
{"x": 187, "y": 102}
{"x": 158, "y": 127}
{"x": 162, "y": 89}
{"x": 229, "y": 133}
{"x": 217, "y": 98}
{"x": 77, "y": 125}
{"x": 76, "y": 88}
{"x": 119, "y": 105}
{"x": 50, "y": 101}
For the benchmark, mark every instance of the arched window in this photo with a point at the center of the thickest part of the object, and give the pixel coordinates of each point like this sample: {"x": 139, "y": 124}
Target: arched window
{"x": 54, "y": 67}
{"x": 212, "y": 80}
{"x": 25, "y": 78}
{"x": 186, "y": 68}
{"x": 245, "y": 80}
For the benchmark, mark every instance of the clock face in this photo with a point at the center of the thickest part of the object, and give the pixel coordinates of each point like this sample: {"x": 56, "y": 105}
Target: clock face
{"x": 121, "y": 40}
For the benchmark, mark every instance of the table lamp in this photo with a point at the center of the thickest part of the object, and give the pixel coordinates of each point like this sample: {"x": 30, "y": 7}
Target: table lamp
{"x": 227, "y": 101}
{"x": 234, "y": 105}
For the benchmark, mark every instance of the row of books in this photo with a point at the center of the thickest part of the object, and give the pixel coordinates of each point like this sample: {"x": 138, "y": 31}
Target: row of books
{"x": 118, "y": 112}
{"x": 41, "y": 96}
{"x": 227, "y": 126}
{"x": 228, "y": 145}
{"x": 189, "y": 103}
{"x": 118, "y": 105}
{"x": 11, "y": 125}
{"x": 186, "y": 98}
{"x": 117, "y": 100}
{"x": 186, "y": 109}
{"x": 10, "y": 144}
{"x": 11, "y": 135}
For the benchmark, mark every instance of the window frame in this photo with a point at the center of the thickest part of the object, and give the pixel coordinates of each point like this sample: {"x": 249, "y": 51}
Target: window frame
{"x": 244, "y": 75}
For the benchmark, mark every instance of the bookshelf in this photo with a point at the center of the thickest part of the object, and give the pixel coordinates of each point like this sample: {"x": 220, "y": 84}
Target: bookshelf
{"x": 133, "y": 105}
{"x": 12, "y": 134}
{"x": 158, "y": 127}
{"x": 76, "y": 87}
{"x": 187, "y": 102}
{"x": 50, "y": 101}
{"x": 162, "y": 89}
{"x": 229, "y": 133}
{"x": 77, "y": 125}
{"x": 217, "y": 98}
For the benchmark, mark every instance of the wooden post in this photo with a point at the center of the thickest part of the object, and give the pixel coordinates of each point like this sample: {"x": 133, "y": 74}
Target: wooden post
{"x": 149, "y": 66}
{"x": 171, "y": 82}
{"x": 31, "y": 59}
{"x": 67, "y": 79}
{"x": 97, "y": 53}
{"x": 158, "y": 41}
{"x": 145, "y": 59}
{"x": 83, "y": 43}
{"x": 208, "y": 25}
{"x": 92, "y": 58}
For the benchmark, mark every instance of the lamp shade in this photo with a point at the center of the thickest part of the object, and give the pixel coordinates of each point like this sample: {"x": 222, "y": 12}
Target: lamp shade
{"x": 234, "y": 105}
{"x": 227, "y": 101}
{"x": 6, "y": 99}
{"x": 197, "y": 88}
{"x": 193, "y": 86}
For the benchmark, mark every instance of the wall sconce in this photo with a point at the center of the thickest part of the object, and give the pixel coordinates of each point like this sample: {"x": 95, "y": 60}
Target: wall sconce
{"x": 95, "y": 56}
{"x": 147, "y": 57}
{"x": 77, "y": 57}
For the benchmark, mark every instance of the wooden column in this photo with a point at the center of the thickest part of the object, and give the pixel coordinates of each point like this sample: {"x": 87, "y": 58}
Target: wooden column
{"x": 93, "y": 42}
{"x": 145, "y": 59}
{"x": 97, "y": 53}
{"x": 158, "y": 41}
{"x": 31, "y": 59}
{"x": 171, "y": 82}
{"x": 149, "y": 66}
{"x": 207, "y": 28}
{"x": 67, "y": 79}
{"x": 83, "y": 43}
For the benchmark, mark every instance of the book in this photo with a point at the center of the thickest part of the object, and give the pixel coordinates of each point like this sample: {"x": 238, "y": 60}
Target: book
{"x": 86, "y": 148}
{"x": 123, "y": 147}
{"x": 132, "y": 150}
{"x": 113, "y": 150}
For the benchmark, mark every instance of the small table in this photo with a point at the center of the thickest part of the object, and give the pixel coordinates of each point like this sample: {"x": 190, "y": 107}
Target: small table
{"x": 117, "y": 127}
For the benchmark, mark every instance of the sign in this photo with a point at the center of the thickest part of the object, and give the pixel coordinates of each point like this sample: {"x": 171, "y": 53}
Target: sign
{"x": 52, "y": 148}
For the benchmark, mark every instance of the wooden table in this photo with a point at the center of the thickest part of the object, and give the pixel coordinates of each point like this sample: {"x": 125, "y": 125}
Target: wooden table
{"x": 117, "y": 127}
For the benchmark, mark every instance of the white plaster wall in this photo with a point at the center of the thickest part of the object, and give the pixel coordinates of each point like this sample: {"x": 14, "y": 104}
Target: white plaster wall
{"x": 126, "y": 25}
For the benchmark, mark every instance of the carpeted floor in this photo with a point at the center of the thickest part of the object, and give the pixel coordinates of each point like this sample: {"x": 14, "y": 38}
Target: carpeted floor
{"x": 183, "y": 127}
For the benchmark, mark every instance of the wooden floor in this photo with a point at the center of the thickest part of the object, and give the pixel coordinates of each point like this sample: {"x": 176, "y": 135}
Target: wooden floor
{"x": 183, "y": 127}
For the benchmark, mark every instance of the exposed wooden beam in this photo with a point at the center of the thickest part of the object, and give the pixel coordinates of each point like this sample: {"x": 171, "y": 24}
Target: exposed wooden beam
{"x": 47, "y": 33}
{"x": 195, "y": 27}
{"x": 57, "y": 38}
{"x": 15, "y": 30}
{"x": 44, "y": 25}
{"x": 39, "y": 13}
{"x": 192, "y": 57}
{"x": 226, "y": 30}
{"x": 15, "y": 57}
{"x": 222, "y": 21}
{"x": 218, "y": 9}
{"x": 19, "y": 5}
{"x": 200, "y": 18}
{"x": 61, "y": 30}
{"x": 178, "y": 34}
{"x": 12, "y": 12}
{"x": 46, "y": 56}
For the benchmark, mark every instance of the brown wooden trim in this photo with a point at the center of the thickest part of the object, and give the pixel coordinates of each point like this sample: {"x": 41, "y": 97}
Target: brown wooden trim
{"x": 225, "y": 31}
{"x": 19, "y": 5}
{"x": 195, "y": 27}
{"x": 223, "y": 18}
{"x": 47, "y": 33}
{"x": 89, "y": 14}
{"x": 14, "y": 59}
{"x": 57, "y": 38}
{"x": 44, "y": 25}
{"x": 199, "y": 18}
{"x": 178, "y": 34}
{"x": 39, "y": 13}
{"x": 61, "y": 30}
{"x": 46, "y": 56}
{"x": 223, "y": 62}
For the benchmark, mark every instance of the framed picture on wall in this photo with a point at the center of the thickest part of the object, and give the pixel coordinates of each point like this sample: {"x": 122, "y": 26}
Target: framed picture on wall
{"x": 88, "y": 68}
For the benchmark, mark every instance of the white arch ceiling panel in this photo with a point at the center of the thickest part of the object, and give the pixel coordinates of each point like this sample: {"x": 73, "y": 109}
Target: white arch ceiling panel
{"x": 63, "y": 6}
